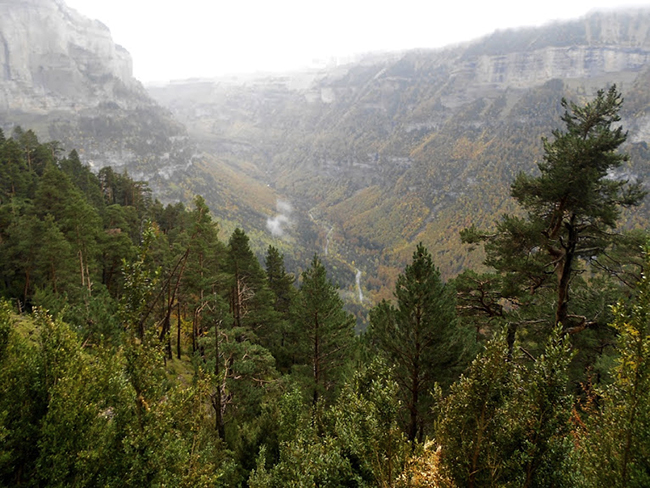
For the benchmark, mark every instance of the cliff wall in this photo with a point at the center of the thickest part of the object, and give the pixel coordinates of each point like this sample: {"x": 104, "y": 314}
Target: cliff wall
{"x": 52, "y": 58}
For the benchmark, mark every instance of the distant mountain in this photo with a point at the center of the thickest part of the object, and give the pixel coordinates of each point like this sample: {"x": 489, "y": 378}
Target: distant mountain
{"x": 399, "y": 148}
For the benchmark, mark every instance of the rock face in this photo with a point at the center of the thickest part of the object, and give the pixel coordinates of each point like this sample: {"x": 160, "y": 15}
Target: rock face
{"x": 525, "y": 69}
{"x": 62, "y": 76}
{"x": 598, "y": 44}
{"x": 52, "y": 58}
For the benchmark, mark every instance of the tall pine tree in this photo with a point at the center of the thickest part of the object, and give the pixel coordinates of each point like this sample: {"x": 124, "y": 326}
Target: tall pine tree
{"x": 419, "y": 337}
{"x": 325, "y": 329}
{"x": 572, "y": 208}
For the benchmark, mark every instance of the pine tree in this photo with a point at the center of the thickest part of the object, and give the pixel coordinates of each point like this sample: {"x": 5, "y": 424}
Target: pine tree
{"x": 83, "y": 178}
{"x": 77, "y": 219}
{"x": 55, "y": 256}
{"x": 325, "y": 329}
{"x": 279, "y": 338}
{"x": 20, "y": 248}
{"x": 116, "y": 245}
{"x": 198, "y": 271}
{"x": 16, "y": 179}
{"x": 250, "y": 298}
{"x": 279, "y": 280}
{"x": 38, "y": 156}
{"x": 571, "y": 207}
{"x": 419, "y": 336}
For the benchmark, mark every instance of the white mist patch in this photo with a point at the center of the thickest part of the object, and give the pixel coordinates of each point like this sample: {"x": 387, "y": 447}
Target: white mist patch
{"x": 279, "y": 224}
{"x": 276, "y": 224}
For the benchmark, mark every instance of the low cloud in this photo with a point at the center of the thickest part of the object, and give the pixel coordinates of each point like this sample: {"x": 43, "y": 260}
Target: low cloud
{"x": 279, "y": 224}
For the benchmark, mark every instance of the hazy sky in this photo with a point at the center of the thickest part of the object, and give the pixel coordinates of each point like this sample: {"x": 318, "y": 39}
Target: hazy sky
{"x": 202, "y": 38}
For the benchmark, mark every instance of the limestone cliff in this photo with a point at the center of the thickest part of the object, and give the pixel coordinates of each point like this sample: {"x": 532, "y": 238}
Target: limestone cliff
{"x": 62, "y": 75}
{"x": 52, "y": 58}
{"x": 598, "y": 44}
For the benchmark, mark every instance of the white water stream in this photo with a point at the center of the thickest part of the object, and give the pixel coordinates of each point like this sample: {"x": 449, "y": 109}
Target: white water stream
{"x": 358, "y": 279}
{"x": 327, "y": 240}
{"x": 326, "y": 251}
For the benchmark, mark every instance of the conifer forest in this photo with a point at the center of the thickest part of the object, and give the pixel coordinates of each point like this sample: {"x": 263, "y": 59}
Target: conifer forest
{"x": 140, "y": 346}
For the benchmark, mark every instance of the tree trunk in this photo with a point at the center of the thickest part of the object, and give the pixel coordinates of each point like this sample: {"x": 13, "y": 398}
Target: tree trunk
{"x": 53, "y": 270}
{"x": 415, "y": 379}
{"x": 26, "y": 290}
{"x": 194, "y": 333}
{"x": 81, "y": 267}
{"x": 511, "y": 333}
{"x": 564, "y": 277}
{"x": 178, "y": 333}
{"x": 216, "y": 399}
{"x": 167, "y": 324}
{"x": 316, "y": 360}
{"x": 413, "y": 407}
{"x": 88, "y": 282}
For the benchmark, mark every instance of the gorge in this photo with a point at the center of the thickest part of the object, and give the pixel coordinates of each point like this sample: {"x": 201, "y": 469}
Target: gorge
{"x": 390, "y": 150}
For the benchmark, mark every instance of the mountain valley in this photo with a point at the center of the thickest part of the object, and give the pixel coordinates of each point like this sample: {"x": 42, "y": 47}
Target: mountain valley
{"x": 406, "y": 147}
{"x": 425, "y": 268}
{"x": 357, "y": 162}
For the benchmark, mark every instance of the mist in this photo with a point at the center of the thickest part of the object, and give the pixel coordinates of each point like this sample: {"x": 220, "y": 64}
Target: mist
{"x": 279, "y": 224}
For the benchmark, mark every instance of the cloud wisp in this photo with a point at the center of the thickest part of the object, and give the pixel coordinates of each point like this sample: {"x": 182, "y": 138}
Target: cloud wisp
{"x": 279, "y": 224}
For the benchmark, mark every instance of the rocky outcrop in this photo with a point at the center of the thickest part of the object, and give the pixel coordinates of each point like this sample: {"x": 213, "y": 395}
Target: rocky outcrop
{"x": 599, "y": 44}
{"x": 526, "y": 69}
{"x": 52, "y": 58}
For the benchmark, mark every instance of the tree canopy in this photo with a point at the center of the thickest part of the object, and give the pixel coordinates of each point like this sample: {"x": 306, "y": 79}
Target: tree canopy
{"x": 138, "y": 348}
